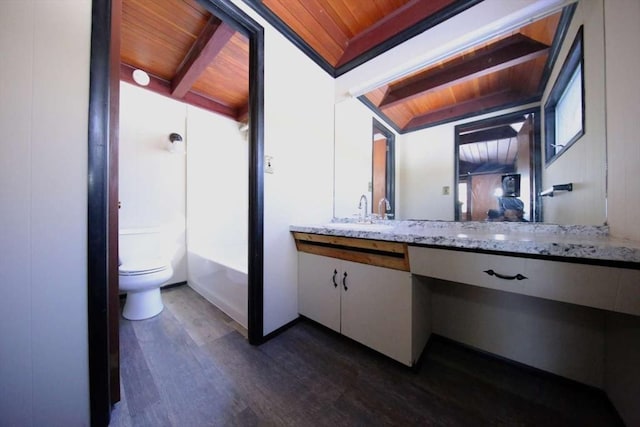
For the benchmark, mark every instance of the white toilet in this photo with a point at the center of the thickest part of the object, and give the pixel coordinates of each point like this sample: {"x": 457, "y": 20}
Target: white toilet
{"x": 144, "y": 267}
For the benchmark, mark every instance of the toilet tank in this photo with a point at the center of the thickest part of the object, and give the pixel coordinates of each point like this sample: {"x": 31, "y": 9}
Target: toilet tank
{"x": 142, "y": 244}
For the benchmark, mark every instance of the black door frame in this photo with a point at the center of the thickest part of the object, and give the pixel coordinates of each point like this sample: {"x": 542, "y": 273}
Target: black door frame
{"x": 98, "y": 191}
{"x": 390, "y": 166}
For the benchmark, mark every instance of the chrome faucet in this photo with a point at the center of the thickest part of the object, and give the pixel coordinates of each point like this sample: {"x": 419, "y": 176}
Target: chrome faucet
{"x": 387, "y": 208}
{"x": 363, "y": 217}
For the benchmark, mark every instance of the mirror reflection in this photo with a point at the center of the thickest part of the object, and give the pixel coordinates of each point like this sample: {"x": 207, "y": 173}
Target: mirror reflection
{"x": 496, "y": 166}
{"x": 439, "y": 172}
{"x": 383, "y": 171}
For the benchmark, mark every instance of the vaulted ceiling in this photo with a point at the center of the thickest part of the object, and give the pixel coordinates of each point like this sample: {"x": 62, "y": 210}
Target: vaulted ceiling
{"x": 189, "y": 54}
{"x": 341, "y": 34}
{"x": 507, "y": 70}
{"x": 195, "y": 57}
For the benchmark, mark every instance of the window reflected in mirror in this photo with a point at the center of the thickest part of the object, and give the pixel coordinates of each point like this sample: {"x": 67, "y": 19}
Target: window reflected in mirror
{"x": 564, "y": 110}
{"x": 497, "y": 163}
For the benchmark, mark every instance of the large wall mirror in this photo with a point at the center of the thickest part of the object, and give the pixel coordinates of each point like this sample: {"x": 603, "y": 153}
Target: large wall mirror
{"x": 436, "y": 177}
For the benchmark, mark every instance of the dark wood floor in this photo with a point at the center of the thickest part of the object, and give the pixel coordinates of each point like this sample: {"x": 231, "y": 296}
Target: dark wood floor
{"x": 192, "y": 366}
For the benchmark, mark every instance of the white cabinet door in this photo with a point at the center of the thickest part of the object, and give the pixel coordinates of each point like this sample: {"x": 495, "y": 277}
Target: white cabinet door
{"x": 376, "y": 309}
{"x": 454, "y": 266}
{"x": 318, "y": 296}
{"x": 589, "y": 285}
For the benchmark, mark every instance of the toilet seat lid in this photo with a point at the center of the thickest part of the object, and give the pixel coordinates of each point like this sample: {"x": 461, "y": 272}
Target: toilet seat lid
{"x": 148, "y": 266}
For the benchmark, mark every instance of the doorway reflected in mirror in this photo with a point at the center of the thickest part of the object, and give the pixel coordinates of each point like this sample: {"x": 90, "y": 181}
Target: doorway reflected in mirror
{"x": 497, "y": 163}
{"x": 383, "y": 171}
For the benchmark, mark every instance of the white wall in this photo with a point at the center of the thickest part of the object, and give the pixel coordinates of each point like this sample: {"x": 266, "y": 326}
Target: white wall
{"x": 298, "y": 104}
{"x": 217, "y": 188}
{"x": 217, "y": 211}
{"x": 426, "y": 164}
{"x": 44, "y": 87}
{"x": 152, "y": 180}
{"x": 353, "y": 157}
{"x": 622, "y": 32}
{"x": 622, "y": 23}
{"x": 584, "y": 163}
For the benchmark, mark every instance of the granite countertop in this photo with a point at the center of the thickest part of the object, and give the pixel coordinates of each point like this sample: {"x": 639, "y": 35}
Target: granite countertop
{"x": 570, "y": 241}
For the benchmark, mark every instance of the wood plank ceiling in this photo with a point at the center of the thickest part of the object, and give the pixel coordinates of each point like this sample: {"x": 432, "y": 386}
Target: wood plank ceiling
{"x": 194, "y": 57}
{"x": 189, "y": 54}
{"x": 507, "y": 70}
{"x": 341, "y": 30}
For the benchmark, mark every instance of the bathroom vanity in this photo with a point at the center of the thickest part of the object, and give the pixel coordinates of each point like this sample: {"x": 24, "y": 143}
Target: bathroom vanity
{"x": 519, "y": 290}
{"x": 362, "y": 288}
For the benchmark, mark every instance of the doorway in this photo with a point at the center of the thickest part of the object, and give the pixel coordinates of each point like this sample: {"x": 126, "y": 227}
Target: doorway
{"x": 382, "y": 171}
{"x": 102, "y": 192}
{"x": 497, "y": 164}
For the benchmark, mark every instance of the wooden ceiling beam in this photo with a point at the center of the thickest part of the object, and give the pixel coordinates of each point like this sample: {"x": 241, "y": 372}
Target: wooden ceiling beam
{"x": 504, "y": 132}
{"x": 405, "y": 17}
{"x": 212, "y": 39}
{"x": 163, "y": 87}
{"x": 508, "y": 52}
{"x": 495, "y": 122}
{"x": 476, "y": 105}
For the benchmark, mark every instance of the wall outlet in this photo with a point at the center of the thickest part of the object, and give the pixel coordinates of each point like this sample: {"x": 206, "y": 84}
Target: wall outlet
{"x": 268, "y": 164}
{"x": 446, "y": 190}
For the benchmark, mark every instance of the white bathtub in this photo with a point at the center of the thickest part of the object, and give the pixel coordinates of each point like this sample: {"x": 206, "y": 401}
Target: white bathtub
{"x": 222, "y": 285}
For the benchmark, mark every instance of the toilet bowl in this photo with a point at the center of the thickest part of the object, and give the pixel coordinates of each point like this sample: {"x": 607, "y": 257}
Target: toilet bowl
{"x": 143, "y": 270}
{"x": 142, "y": 285}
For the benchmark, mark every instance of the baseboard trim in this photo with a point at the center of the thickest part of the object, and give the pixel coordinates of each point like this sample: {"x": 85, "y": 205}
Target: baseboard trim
{"x": 280, "y": 330}
{"x": 229, "y": 309}
{"x": 423, "y": 354}
{"x": 174, "y": 285}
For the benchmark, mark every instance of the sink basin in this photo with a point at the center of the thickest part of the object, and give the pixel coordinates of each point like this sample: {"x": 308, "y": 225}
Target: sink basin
{"x": 358, "y": 226}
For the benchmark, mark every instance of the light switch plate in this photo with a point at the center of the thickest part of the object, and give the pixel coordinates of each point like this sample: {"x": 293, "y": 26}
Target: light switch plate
{"x": 446, "y": 190}
{"x": 268, "y": 164}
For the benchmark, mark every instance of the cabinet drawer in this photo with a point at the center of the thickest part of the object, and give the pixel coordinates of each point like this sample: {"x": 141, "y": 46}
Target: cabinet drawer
{"x": 461, "y": 267}
{"x": 588, "y": 285}
{"x": 467, "y": 267}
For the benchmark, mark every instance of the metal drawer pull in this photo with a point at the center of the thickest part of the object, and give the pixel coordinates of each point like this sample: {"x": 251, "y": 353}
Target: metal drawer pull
{"x": 502, "y": 276}
{"x": 333, "y": 279}
{"x": 344, "y": 281}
